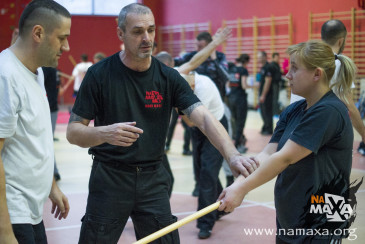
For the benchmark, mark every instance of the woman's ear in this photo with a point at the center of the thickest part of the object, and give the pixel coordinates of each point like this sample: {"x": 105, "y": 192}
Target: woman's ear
{"x": 318, "y": 73}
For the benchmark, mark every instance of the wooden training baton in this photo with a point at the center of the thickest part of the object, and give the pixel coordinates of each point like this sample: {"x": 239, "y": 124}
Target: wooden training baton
{"x": 72, "y": 60}
{"x": 178, "y": 224}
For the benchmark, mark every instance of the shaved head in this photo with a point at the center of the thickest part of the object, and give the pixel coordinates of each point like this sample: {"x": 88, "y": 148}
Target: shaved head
{"x": 332, "y": 30}
{"x": 46, "y": 13}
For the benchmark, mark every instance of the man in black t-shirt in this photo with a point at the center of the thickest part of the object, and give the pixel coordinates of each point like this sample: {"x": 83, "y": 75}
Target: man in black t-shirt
{"x": 276, "y": 79}
{"x": 130, "y": 95}
{"x": 215, "y": 67}
{"x": 266, "y": 94}
{"x": 238, "y": 100}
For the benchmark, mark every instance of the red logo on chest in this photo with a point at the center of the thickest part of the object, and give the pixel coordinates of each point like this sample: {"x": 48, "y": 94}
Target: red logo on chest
{"x": 155, "y": 99}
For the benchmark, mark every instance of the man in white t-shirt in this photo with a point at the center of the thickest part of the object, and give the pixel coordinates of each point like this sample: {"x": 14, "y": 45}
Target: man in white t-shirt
{"x": 26, "y": 142}
{"x": 79, "y": 72}
{"x": 207, "y": 159}
{"x": 334, "y": 33}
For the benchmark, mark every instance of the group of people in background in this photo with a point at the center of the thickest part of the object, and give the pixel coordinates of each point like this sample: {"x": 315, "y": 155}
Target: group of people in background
{"x": 131, "y": 97}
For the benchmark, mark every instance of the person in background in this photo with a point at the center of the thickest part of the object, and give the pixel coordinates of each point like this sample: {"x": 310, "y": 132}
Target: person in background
{"x": 79, "y": 72}
{"x": 215, "y": 67}
{"x": 276, "y": 80}
{"x": 309, "y": 154}
{"x": 237, "y": 100}
{"x": 52, "y": 84}
{"x": 334, "y": 33}
{"x": 26, "y": 143}
{"x": 207, "y": 159}
{"x": 266, "y": 93}
{"x": 98, "y": 57}
{"x": 187, "y": 134}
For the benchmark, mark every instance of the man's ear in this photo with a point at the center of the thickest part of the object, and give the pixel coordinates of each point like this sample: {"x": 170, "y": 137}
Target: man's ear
{"x": 38, "y": 33}
{"x": 120, "y": 33}
{"x": 340, "y": 42}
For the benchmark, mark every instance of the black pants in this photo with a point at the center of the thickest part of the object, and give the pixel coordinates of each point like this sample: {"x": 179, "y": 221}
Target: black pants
{"x": 30, "y": 234}
{"x": 267, "y": 113}
{"x": 166, "y": 164}
{"x": 275, "y": 98}
{"x": 238, "y": 106}
{"x": 116, "y": 192}
{"x": 170, "y": 133}
{"x": 207, "y": 164}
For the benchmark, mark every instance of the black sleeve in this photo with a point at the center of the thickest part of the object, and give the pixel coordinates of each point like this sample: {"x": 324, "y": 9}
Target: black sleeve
{"x": 269, "y": 71}
{"x": 182, "y": 60}
{"x": 222, "y": 67}
{"x": 222, "y": 73}
{"x": 244, "y": 72}
{"x": 317, "y": 127}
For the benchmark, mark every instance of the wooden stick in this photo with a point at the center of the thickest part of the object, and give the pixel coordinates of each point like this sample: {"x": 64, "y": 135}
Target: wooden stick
{"x": 72, "y": 60}
{"x": 178, "y": 224}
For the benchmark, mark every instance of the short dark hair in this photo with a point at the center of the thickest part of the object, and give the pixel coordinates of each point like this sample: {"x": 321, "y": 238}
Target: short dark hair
{"x": 136, "y": 8}
{"x": 332, "y": 30}
{"x": 99, "y": 56}
{"x": 84, "y": 57}
{"x": 243, "y": 58}
{"x": 275, "y": 54}
{"x": 263, "y": 53}
{"x": 41, "y": 12}
{"x": 206, "y": 36}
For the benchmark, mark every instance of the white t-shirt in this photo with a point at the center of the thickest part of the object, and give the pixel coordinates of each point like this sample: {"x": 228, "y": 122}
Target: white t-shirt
{"x": 294, "y": 98}
{"x": 79, "y": 73}
{"x": 27, "y": 154}
{"x": 208, "y": 94}
{"x": 40, "y": 79}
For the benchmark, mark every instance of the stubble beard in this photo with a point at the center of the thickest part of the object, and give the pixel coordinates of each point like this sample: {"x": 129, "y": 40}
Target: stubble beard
{"x": 145, "y": 55}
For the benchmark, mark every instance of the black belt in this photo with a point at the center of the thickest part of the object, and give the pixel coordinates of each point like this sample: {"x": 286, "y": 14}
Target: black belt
{"x": 131, "y": 168}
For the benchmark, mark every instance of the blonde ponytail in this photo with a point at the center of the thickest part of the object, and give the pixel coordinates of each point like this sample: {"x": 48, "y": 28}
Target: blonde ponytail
{"x": 344, "y": 78}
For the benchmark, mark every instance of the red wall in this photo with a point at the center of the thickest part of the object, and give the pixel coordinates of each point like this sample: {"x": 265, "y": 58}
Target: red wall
{"x": 90, "y": 34}
{"x": 191, "y": 11}
{"x": 10, "y": 11}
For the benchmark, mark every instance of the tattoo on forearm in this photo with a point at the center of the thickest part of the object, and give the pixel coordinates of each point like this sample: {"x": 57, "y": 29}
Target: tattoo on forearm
{"x": 75, "y": 118}
{"x": 190, "y": 109}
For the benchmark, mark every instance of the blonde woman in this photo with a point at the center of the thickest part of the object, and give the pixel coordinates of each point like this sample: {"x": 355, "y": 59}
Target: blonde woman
{"x": 310, "y": 151}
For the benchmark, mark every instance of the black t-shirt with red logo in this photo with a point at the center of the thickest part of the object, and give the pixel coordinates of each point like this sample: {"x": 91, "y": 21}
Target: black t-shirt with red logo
{"x": 112, "y": 93}
{"x": 235, "y": 84}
